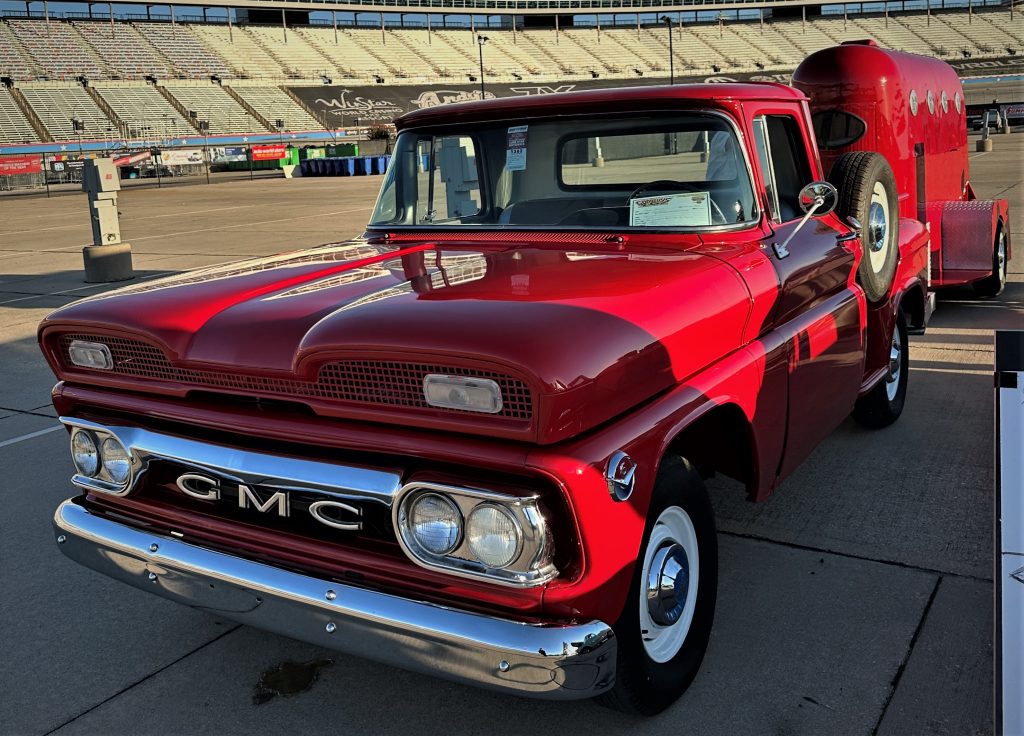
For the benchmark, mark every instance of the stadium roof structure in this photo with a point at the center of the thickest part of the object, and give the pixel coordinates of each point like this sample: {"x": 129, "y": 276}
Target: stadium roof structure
{"x": 513, "y": 7}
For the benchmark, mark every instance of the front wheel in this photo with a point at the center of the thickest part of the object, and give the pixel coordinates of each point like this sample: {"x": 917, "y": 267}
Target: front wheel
{"x": 664, "y": 628}
{"x": 883, "y": 405}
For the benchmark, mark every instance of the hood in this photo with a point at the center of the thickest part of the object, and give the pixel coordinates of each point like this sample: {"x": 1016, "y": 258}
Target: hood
{"x": 591, "y": 333}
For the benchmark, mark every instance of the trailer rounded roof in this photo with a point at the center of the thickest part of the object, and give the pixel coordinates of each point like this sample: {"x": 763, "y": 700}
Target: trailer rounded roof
{"x": 602, "y": 100}
{"x": 863, "y": 71}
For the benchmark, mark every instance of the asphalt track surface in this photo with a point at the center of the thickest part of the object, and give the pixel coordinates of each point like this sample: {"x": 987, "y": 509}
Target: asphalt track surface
{"x": 858, "y": 600}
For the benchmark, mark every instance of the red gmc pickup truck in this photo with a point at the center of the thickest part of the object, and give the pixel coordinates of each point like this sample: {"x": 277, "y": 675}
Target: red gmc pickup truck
{"x": 471, "y": 443}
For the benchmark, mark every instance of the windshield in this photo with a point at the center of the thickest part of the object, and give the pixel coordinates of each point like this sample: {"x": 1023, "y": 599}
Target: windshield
{"x": 651, "y": 171}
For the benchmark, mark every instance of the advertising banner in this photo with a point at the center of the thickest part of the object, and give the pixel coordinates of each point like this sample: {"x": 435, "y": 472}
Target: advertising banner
{"x": 231, "y": 153}
{"x": 268, "y": 153}
{"x": 132, "y": 159}
{"x": 15, "y": 165}
{"x": 358, "y": 107}
{"x": 182, "y": 157}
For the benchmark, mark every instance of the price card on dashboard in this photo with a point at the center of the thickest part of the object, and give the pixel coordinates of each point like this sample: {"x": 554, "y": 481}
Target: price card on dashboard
{"x": 515, "y": 148}
{"x": 689, "y": 209}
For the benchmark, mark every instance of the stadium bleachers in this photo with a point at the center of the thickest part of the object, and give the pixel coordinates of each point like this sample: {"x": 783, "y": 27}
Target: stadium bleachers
{"x": 190, "y": 57}
{"x": 58, "y": 49}
{"x": 13, "y": 63}
{"x": 256, "y": 62}
{"x": 295, "y": 55}
{"x": 212, "y": 103}
{"x": 14, "y": 126}
{"x": 56, "y": 103}
{"x": 239, "y": 50}
{"x": 446, "y": 60}
{"x": 346, "y": 59}
{"x": 144, "y": 108}
{"x": 274, "y": 104}
{"x": 123, "y": 49}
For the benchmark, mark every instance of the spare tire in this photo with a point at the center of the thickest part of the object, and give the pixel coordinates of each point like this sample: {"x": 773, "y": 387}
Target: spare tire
{"x": 867, "y": 191}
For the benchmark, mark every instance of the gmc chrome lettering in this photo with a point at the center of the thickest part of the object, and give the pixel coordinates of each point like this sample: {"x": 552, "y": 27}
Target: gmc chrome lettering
{"x": 206, "y": 488}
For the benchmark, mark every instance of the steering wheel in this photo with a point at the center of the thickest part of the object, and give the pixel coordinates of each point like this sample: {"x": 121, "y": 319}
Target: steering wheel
{"x": 683, "y": 186}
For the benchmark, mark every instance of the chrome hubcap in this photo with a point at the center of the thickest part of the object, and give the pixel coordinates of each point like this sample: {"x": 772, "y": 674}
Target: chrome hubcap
{"x": 670, "y": 579}
{"x": 877, "y": 227}
{"x": 892, "y": 380}
{"x": 667, "y": 584}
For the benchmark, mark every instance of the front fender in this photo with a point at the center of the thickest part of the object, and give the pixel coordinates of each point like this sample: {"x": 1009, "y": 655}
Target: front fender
{"x": 610, "y": 532}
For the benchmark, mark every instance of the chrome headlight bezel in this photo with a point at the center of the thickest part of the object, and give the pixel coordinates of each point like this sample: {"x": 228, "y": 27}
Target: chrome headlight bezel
{"x": 101, "y": 479}
{"x": 531, "y": 565}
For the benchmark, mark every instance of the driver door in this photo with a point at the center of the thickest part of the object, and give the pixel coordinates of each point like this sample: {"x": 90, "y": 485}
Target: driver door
{"x": 817, "y": 311}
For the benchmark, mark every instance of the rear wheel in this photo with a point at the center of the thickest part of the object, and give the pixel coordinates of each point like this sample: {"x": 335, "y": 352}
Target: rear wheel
{"x": 867, "y": 191}
{"x": 664, "y": 628}
{"x": 884, "y": 403}
{"x": 993, "y": 285}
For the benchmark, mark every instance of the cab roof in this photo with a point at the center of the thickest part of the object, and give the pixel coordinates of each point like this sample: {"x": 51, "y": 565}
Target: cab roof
{"x": 618, "y": 99}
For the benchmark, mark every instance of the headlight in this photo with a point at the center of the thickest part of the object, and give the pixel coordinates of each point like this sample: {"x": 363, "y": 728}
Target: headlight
{"x": 494, "y": 536}
{"x": 475, "y": 533}
{"x": 436, "y": 523}
{"x": 90, "y": 355}
{"x": 116, "y": 461}
{"x": 462, "y": 392}
{"x": 83, "y": 452}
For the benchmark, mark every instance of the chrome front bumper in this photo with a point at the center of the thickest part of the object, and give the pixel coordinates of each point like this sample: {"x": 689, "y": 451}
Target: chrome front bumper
{"x": 559, "y": 662}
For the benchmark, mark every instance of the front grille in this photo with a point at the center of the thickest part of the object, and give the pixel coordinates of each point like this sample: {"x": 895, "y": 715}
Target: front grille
{"x": 374, "y": 382}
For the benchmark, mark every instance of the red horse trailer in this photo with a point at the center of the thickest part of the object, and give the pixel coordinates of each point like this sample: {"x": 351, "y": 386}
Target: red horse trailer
{"x": 911, "y": 109}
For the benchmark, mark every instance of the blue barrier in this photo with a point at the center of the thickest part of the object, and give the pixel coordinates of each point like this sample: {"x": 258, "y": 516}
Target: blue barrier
{"x": 345, "y": 166}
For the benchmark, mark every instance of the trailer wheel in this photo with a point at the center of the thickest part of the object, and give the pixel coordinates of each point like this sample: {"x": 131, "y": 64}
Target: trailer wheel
{"x": 883, "y": 405}
{"x": 992, "y": 286}
{"x": 665, "y": 624}
{"x": 867, "y": 191}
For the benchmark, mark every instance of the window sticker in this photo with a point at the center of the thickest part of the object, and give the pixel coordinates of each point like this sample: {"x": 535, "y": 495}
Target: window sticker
{"x": 515, "y": 149}
{"x": 690, "y": 209}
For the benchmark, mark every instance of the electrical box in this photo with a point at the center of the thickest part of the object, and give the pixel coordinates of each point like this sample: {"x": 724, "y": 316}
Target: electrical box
{"x": 106, "y": 229}
{"x": 100, "y": 176}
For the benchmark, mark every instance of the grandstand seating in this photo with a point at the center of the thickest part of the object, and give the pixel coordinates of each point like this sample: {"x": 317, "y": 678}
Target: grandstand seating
{"x": 123, "y": 49}
{"x": 144, "y": 109}
{"x": 256, "y": 61}
{"x": 345, "y": 58}
{"x": 186, "y": 52}
{"x": 446, "y": 60}
{"x": 212, "y": 103}
{"x": 240, "y": 50}
{"x": 58, "y": 49}
{"x": 296, "y": 56}
{"x": 503, "y": 54}
{"x": 275, "y": 104}
{"x": 14, "y": 126}
{"x": 13, "y": 63}
{"x": 56, "y": 103}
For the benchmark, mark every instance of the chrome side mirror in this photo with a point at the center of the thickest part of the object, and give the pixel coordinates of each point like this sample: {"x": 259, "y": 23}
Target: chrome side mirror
{"x": 817, "y": 198}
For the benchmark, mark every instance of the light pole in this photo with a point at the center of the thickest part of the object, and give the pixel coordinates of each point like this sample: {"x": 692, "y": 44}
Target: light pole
{"x": 279, "y": 124}
{"x": 204, "y": 126}
{"x": 480, "y": 41}
{"x": 671, "y": 56}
